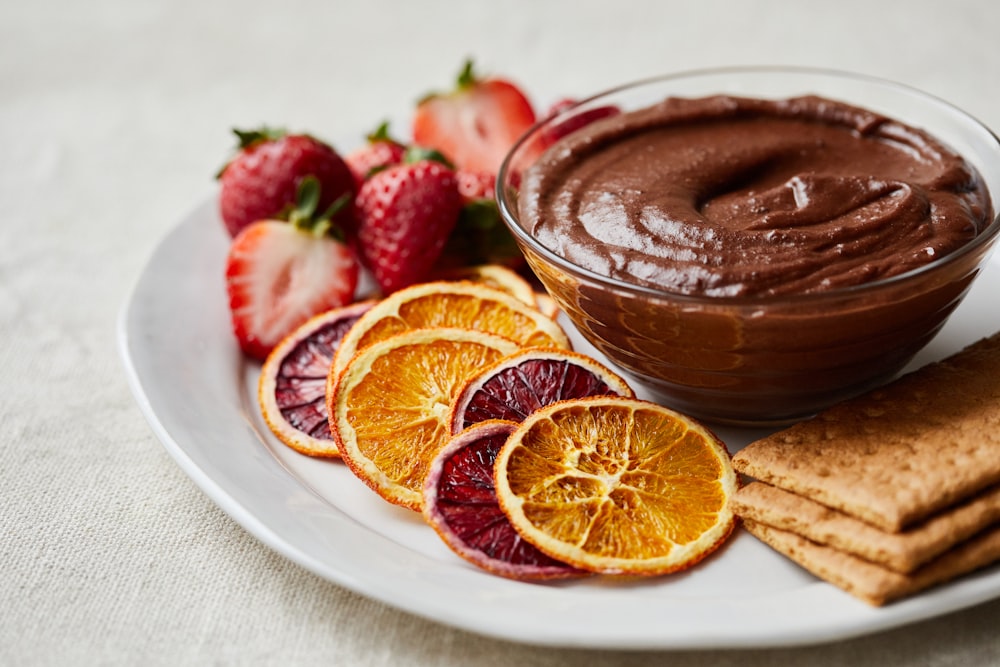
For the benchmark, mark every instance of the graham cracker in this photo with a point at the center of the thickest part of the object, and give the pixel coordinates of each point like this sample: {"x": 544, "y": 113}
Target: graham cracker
{"x": 873, "y": 583}
{"x": 903, "y": 552}
{"x": 899, "y": 453}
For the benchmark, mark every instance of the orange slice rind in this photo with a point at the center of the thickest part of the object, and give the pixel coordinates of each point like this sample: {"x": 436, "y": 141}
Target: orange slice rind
{"x": 617, "y": 486}
{"x": 450, "y": 304}
{"x": 291, "y": 388}
{"x": 496, "y": 276}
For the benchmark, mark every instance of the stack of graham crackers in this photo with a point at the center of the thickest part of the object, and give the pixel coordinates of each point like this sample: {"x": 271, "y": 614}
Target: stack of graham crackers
{"x": 892, "y": 492}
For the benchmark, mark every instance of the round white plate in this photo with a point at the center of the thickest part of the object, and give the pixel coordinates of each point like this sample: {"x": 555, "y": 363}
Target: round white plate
{"x": 199, "y": 395}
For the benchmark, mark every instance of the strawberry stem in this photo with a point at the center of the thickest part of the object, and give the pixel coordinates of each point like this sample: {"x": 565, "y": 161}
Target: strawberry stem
{"x": 248, "y": 138}
{"x": 467, "y": 77}
{"x": 381, "y": 133}
{"x": 303, "y": 215}
{"x": 325, "y": 226}
{"x": 306, "y": 200}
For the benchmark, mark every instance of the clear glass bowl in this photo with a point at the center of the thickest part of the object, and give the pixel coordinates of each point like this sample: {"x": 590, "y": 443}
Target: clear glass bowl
{"x": 763, "y": 360}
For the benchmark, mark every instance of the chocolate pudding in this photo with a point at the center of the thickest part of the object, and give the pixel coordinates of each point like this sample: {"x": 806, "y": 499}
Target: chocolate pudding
{"x": 752, "y": 261}
{"x": 737, "y": 197}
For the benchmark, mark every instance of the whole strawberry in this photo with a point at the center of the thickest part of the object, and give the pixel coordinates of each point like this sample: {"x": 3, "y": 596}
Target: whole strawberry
{"x": 380, "y": 151}
{"x": 405, "y": 214}
{"x": 261, "y": 181}
{"x": 280, "y": 273}
{"x": 476, "y": 124}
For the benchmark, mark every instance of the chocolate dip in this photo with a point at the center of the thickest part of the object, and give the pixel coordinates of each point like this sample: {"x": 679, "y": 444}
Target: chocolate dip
{"x": 728, "y": 196}
{"x": 748, "y": 216}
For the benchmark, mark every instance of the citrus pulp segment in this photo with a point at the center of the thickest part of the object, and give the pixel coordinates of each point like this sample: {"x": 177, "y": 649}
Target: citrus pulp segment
{"x": 450, "y": 304}
{"x": 291, "y": 390}
{"x": 389, "y": 407}
{"x": 460, "y": 503}
{"x": 530, "y": 379}
{"x": 617, "y": 486}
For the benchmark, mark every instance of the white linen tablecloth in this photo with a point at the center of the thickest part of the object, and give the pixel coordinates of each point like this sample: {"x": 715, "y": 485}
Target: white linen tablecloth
{"x": 114, "y": 116}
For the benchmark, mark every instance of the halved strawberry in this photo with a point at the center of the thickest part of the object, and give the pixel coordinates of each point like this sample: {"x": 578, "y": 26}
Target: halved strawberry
{"x": 380, "y": 151}
{"x": 476, "y": 124}
{"x": 261, "y": 181}
{"x": 279, "y": 274}
{"x": 406, "y": 213}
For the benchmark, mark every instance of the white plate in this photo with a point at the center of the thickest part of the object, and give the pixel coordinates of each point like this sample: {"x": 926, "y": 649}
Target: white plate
{"x": 199, "y": 396}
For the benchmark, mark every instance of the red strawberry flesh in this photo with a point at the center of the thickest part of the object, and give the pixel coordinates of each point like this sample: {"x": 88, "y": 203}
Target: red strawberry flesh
{"x": 278, "y": 276}
{"x": 476, "y": 124}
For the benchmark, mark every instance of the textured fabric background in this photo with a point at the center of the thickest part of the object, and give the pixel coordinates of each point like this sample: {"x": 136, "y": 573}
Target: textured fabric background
{"x": 115, "y": 114}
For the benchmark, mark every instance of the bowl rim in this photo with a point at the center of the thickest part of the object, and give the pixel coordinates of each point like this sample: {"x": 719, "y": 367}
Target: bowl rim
{"x": 982, "y": 240}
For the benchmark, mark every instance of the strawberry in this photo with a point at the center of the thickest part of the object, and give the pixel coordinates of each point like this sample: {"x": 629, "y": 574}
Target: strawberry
{"x": 280, "y": 273}
{"x": 406, "y": 213}
{"x": 380, "y": 151}
{"x": 261, "y": 181}
{"x": 473, "y": 185}
{"x": 476, "y": 124}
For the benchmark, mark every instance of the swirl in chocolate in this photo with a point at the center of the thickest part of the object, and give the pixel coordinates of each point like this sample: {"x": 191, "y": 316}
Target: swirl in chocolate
{"x": 730, "y": 196}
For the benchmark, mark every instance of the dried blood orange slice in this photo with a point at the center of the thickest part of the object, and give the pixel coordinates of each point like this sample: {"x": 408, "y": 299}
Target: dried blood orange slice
{"x": 291, "y": 390}
{"x": 450, "y": 304}
{"x": 389, "y": 408}
{"x": 617, "y": 486}
{"x": 530, "y": 379}
{"x": 460, "y": 503}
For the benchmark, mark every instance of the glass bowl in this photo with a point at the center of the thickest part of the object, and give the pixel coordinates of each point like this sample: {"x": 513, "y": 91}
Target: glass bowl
{"x": 761, "y": 360}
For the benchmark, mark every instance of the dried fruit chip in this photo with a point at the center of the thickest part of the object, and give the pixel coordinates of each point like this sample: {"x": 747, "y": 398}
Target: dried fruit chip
{"x": 617, "y": 486}
{"x": 389, "y": 408}
{"x": 460, "y": 503}
{"x": 498, "y": 277}
{"x": 530, "y": 379}
{"x": 291, "y": 390}
{"x": 454, "y": 304}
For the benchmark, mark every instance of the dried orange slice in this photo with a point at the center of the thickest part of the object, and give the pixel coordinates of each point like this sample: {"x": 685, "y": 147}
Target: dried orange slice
{"x": 617, "y": 486}
{"x": 460, "y": 503}
{"x": 530, "y": 379}
{"x": 389, "y": 408}
{"x": 461, "y": 304}
{"x": 291, "y": 390}
{"x": 508, "y": 280}
{"x": 496, "y": 276}
{"x": 546, "y": 304}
